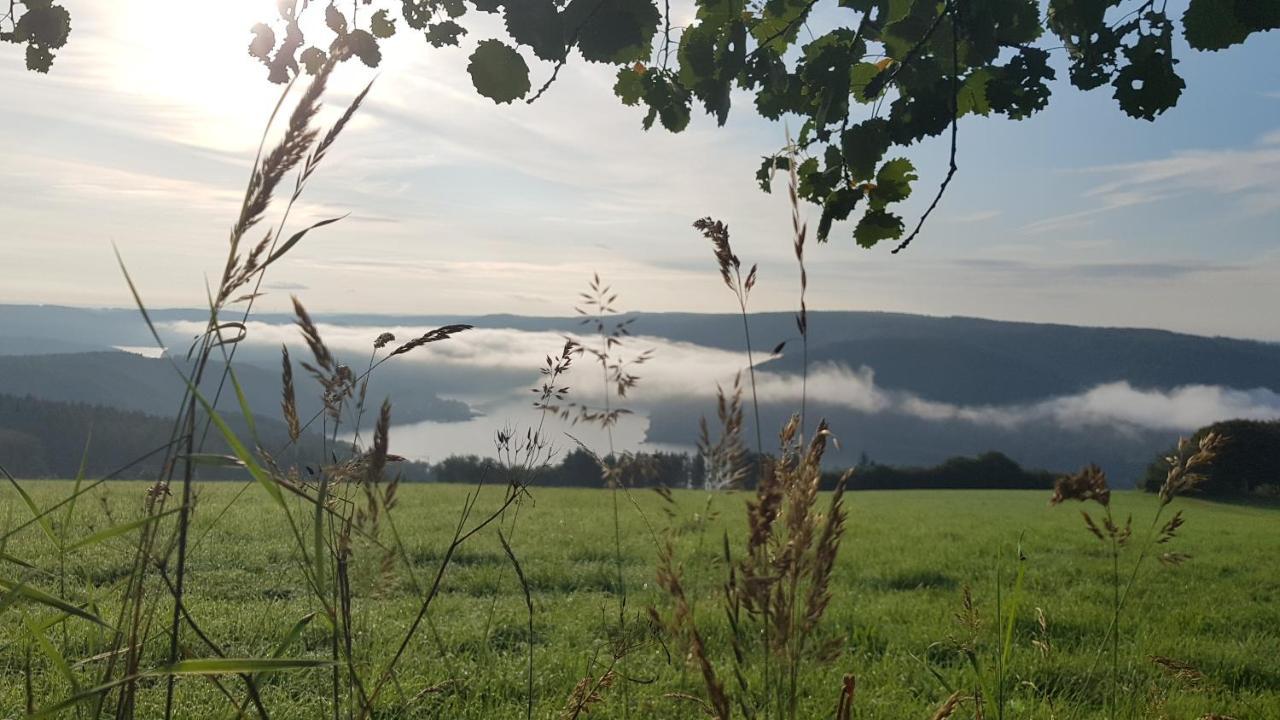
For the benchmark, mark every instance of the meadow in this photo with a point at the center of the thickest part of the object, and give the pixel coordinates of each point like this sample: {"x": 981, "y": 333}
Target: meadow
{"x": 898, "y": 589}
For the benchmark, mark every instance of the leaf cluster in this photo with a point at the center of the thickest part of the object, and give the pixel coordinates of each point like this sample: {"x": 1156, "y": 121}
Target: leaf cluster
{"x": 887, "y": 75}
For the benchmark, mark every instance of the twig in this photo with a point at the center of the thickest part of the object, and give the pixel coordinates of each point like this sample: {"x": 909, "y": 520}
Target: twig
{"x": 955, "y": 111}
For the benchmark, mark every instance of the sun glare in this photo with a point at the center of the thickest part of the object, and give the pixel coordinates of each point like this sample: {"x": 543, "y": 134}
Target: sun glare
{"x": 189, "y": 61}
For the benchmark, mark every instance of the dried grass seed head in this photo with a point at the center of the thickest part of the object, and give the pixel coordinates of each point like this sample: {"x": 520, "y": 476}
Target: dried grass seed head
{"x": 1088, "y": 484}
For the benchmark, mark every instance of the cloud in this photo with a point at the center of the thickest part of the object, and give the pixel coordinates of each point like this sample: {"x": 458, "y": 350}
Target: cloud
{"x": 976, "y": 216}
{"x": 1092, "y": 272}
{"x": 682, "y": 370}
{"x": 1247, "y": 175}
{"x": 1117, "y": 404}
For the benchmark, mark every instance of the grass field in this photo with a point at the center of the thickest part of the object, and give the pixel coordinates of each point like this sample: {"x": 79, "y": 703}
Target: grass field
{"x": 898, "y": 584}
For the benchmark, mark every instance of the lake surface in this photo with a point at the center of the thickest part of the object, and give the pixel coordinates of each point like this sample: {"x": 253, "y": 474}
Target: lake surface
{"x": 432, "y": 441}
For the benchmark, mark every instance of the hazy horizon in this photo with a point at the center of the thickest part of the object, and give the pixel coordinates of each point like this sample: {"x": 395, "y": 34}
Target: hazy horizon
{"x": 348, "y": 317}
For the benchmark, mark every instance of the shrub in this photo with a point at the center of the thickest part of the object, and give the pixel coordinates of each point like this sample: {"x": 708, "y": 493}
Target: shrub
{"x": 1248, "y": 462}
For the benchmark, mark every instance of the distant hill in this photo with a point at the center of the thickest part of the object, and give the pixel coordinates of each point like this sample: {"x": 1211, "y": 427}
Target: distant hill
{"x": 40, "y": 438}
{"x": 951, "y": 359}
{"x": 131, "y": 382}
{"x": 961, "y": 362}
{"x": 44, "y": 439}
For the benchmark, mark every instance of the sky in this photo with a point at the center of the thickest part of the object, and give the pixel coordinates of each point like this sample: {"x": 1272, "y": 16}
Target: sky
{"x": 143, "y": 134}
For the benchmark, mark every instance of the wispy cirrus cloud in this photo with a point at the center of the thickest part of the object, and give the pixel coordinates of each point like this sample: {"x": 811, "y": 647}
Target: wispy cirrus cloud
{"x": 1247, "y": 175}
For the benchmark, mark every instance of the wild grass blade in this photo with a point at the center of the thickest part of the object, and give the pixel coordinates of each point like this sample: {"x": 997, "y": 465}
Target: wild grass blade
{"x": 41, "y": 517}
{"x": 40, "y": 597}
{"x": 121, "y": 529}
{"x": 237, "y": 666}
{"x": 137, "y": 299}
{"x": 244, "y": 405}
{"x": 238, "y": 448}
{"x": 55, "y": 657}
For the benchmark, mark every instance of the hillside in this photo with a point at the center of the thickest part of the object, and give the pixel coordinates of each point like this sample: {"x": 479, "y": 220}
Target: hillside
{"x": 40, "y": 438}
{"x": 947, "y": 386}
{"x": 131, "y": 382}
{"x": 953, "y": 359}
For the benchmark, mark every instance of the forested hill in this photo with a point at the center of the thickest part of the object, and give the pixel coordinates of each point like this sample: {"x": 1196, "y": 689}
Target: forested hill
{"x": 948, "y": 359}
{"x": 150, "y": 385}
{"x": 40, "y": 438}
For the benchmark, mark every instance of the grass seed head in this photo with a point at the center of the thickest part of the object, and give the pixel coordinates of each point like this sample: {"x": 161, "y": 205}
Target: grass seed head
{"x": 1088, "y": 484}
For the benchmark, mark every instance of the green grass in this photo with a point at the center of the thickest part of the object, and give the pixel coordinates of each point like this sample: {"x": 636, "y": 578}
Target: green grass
{"x": 905, "y": 559}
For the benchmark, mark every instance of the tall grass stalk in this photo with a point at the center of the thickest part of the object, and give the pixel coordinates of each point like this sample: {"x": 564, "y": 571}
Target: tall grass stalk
{"x": 731, "y": 273}
{"x": 1185, "y": 473}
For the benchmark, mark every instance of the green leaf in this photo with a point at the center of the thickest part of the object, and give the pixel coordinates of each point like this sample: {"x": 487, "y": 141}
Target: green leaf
{"x": 614, "y": 31}
{"x": 764, "y": 176}
{"x": 382, "y": 25}
{"x": 908, "y": 24}
{"x": 863, "y": 145}
{"x": 1020, "y": 88}
{"x": 711, "y": 58}
{"x": 263, "y": 42}
{"x": 445, "y": 33}
{"x": 826, "y": 74}
{"x": 39, "y": 59}
{"x": 668, "y": 101}
{"x": 1219, "y": 24}
{"x": 893, "y": 183}
{"x": 536, "y": 23}
{"x": 629, "y": 86}
{"x": 238, "y": 666}
{"x": 877, "y": 225}
{"x": 780, "y": 24}
{"x": 120, "y": 529}
{"x": 895, "y": 10}
{"x": 860, "y": 80}
{"x": 313, "y": 59}
{"x": 40, "y": 597}
{"x": 837, "y": 206}
{"x": 1148, "y": 85}
{"x": 43, "y": 24}
{"x": 44, "y": 27}
{"x": 417, "y": 13}
{"x": 498, "y": 72}
{"x": 335, "y": 20}
{"x": 364, "y": 46}
{"x": 453, "y": 8}
{"x": 972, "y": 96}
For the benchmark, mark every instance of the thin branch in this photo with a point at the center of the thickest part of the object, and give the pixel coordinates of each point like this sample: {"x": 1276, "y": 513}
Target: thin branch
{"x": 955, "y": 111}
{"x": 800, "y": 16}
{"x": 568, "y": 47}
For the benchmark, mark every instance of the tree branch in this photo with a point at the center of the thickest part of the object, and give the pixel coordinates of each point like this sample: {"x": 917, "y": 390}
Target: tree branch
{"x": 573, "y": 40}
{"x": 955, "y": 112}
